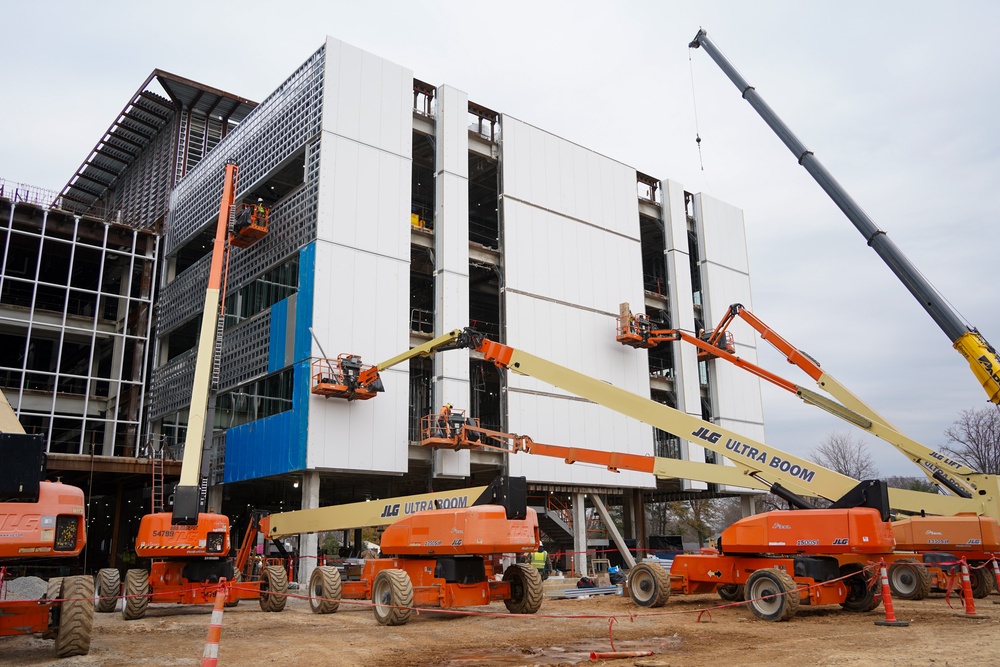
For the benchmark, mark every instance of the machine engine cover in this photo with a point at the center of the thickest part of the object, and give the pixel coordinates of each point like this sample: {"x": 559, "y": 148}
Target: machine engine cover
{"x": 477, "y": 530}
{"x": 940, "y": 533}
{"x": 159, "y": 539}
{"x": 819, "y": 531}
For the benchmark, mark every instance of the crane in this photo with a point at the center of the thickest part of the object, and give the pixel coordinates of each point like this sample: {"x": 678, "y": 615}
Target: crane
{"x": 970, "y": 343}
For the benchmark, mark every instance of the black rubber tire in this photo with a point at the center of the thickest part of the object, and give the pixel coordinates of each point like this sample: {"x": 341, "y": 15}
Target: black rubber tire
{"x": 978, "y": 581}
{"x": 325, "y": 590}
{"x": 772, "y": 595}
{"x": 109, "y": 588}
{"x": 76, "y": 616}
{"x": 53, "y": 588}
{"x": 649, "y": 585}
{"x": 273, "y": 588}
{"x": 525, "y": 589}
{"x": 232, "y": 599}
{"x": 392, "y": 597}
{"x": 136, "y": 595}
{"x": 991, "y": 578}
{"x": 860, "y": 596}
{"x": 732, "y": 592}
{"x": 909, "y": 579}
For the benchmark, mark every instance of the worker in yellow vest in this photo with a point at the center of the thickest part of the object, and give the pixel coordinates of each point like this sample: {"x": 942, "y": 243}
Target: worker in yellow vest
{"x": 540, "y": 561}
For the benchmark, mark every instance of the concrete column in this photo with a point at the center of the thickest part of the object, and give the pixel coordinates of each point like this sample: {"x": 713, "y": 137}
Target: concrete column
{"x": 451, "y": 261}
{"x": 579, "y": 534}
{"x": 748, "y": 505}
{"x": 308, "y": 543}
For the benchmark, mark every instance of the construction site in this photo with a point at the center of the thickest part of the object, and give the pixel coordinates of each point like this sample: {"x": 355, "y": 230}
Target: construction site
{"x": 301, "y": 362}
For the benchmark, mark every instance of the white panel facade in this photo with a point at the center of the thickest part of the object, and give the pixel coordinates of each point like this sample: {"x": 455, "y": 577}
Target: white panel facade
{"x": 451, "y": 261}
{"x": 687, "y": 386}
{"x": 361, "y": 285}
{"x": 736, "y": 398}
{"x": 572, "y": 254}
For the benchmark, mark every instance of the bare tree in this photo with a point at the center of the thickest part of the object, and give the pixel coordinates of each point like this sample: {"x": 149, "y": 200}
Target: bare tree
{"x": 848, "y": 456}
{"x": 974, "y": 439}
{"x": 912, "y": 483}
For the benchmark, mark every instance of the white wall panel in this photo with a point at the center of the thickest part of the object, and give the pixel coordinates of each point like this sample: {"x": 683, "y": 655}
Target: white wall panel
{"x": 364, "y": 198}
{"x": 365, "y": 435}
{"x": 560, "y": 176}
{"x": 595, "y": 268}
{"x": 367, "y": 99}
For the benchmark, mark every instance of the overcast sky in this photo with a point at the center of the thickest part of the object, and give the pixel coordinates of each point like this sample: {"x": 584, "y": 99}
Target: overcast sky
{"x": 897, "y": 99}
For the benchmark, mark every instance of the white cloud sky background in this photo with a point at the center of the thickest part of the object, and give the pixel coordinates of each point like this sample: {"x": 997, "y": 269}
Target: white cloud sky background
{"x": 898, "y": 100}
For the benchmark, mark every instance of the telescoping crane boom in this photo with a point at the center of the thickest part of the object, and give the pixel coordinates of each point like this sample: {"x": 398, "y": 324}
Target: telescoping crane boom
{"x": 981, "y": 356}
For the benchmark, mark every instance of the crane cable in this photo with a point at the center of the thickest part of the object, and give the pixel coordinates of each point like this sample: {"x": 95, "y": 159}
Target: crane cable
{"x": 694, "y": 101}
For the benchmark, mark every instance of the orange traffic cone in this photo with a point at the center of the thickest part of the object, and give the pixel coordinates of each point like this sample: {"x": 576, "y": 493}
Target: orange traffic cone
{"x": 210, "y": 658}
{"x": 996, "y": 575}
{"x": 890, "y": 613}
{"x": 970, "y": 604}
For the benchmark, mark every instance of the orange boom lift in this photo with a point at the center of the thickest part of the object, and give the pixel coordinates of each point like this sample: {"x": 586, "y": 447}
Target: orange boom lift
{"x": 42, "y": 520}
{"x": 189, "y": 546}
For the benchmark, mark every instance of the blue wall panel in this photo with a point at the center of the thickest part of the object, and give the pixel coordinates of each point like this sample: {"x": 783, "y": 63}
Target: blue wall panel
{"x": 275, "y": 444}
{"x": 304, "y": 305}
{"x": 276, "y": 340}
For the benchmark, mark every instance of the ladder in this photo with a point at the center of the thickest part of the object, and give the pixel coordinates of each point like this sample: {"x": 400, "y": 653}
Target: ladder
{"x": 156, "y": 461}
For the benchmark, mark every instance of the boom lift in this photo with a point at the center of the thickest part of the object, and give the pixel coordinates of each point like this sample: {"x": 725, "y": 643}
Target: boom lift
{"x": 442, "y": 557}
{"x": 759, "y": 551}
{"x": 42, "y": 520}
{"x": 976, "y": 537}
{"x": 981, "y": 356}
{"x": 190, "y": 547}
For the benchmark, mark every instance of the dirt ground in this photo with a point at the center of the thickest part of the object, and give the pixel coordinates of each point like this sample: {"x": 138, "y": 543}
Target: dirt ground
{"x": 563, "y": 633}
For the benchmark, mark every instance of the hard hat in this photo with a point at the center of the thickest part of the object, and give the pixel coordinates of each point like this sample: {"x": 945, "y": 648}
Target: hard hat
{"x": 260, "y": 199}
{"x": 447, "y": 405}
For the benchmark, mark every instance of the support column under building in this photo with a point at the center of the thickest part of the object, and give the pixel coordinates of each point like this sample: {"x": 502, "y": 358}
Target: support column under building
{"x": 308, "y": 542}
{"x": 451, "y": 261}
{"x": 579, "y": 534}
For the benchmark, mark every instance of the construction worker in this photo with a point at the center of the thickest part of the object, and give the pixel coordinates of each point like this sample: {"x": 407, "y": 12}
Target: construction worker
{"x": 444, "y": 418}
{"x": 540, "y": 561}
{"x": 259, "y": 212}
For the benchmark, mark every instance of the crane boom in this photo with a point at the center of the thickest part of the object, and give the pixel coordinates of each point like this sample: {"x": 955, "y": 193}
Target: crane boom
{"x": 981, "y": 356}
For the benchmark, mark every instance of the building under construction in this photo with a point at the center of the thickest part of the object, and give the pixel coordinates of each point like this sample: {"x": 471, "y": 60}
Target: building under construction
{"x": 398, "y": 209}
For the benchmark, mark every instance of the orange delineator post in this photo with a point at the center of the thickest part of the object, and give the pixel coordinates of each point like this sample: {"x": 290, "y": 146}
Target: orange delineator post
{"x": 970, "y": 604}
{"x": 890, "y": 613}
{"x": 210, "y": 658}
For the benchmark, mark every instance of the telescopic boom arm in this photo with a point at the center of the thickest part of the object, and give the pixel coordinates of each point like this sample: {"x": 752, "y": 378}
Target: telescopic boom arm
{"x": 980, "y": 355}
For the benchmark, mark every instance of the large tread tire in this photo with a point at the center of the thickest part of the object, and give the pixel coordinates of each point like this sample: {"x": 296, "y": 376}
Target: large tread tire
{"x": 525, "y": 589}
{"x": 76, "y": 616}
{"x": 53, "y": 588}
{"x": 978, "y": 581}
{"x": 732, "y": 592}
{"x": 273, "y": 588}
{"x": 649, "y": 585}
{"x": 232, "y": 600}
{"x": 109, "y": 587}
{"x": 861, "y": 597}
{"x": 135, "y": 598}
{"x": 991, "y": 578}
{"x": 772, "y": 595}
{"x": 325, "y": 589}
{"x": 909, "y": 579}
{"x": 392, "y": 597}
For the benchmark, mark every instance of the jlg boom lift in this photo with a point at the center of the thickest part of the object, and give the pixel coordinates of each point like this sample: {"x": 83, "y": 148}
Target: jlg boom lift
{"x": 41, "y": 521}
{"x": 189, "y": 547}
{"x": 981, "y": 356}
{"x": 789, "y": 552}
{"x": 442, "y": 557}
{"x": 935, "y": 537}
